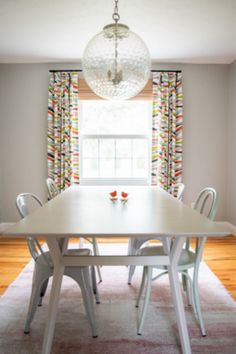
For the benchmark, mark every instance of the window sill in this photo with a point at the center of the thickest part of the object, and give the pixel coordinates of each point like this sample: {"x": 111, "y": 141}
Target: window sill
{"x": 115, "y": 181}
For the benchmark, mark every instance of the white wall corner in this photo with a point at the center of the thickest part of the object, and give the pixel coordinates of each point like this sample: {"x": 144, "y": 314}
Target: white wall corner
{"x": 4, "y": 226}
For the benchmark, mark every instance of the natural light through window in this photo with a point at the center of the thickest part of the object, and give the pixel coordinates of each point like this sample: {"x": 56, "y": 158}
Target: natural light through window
{"x": 115, "y": 142}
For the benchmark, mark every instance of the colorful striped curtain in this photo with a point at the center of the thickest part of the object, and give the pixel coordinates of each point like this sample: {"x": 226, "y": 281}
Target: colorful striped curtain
{"x": 63, "y": 139}
{"x": 167, "y": 128}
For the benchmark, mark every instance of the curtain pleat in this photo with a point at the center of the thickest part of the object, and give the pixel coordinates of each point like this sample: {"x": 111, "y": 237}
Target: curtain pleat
{"x": 63, "y": 138}
{"x": 167, "y": 129}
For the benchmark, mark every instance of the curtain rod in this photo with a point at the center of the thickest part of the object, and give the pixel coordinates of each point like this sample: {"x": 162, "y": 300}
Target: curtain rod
{"x": 153, "y": 71}
{"x": 166, "y": 71}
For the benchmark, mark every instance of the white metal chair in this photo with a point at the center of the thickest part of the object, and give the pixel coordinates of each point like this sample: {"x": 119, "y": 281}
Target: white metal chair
{"x": 135, "y": 243}
{"x": 206, "y": 204}
{"x": 178, "y": 191}
{"x": 43, "y": 269}
{"x": 53, "y": 191}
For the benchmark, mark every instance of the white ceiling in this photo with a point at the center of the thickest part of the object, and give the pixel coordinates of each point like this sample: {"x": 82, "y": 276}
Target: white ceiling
{"x": 193, "y": 31}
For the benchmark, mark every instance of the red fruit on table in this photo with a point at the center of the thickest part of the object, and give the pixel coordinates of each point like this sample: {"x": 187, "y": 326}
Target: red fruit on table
{"x": 113, "y": 194}
{"x": 124, "y": 195}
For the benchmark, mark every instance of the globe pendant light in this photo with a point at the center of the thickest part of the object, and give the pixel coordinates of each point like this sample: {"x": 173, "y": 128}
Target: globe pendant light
{"x": 116, "y": 62}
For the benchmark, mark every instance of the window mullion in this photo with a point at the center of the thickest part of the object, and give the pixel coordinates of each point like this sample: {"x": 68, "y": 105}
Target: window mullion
{"x": 115, "y": 157}
{"x": 132, "y": 158}
{"x": 99, "y": 164}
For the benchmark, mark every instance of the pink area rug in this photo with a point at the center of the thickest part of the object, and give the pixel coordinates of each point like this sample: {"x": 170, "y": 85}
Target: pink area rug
{"x": 117, "y": 317}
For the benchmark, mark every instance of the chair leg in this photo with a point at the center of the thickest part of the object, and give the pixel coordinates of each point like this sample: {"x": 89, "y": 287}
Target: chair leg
{"x": 36, "y": 291}
{"x": 193, "y": 302}
{"x": 166, "y": 242}
{"x": 94, "y": 285}
{"x": 141, "y": 289}
{"x": 81, "y": 242}
{"x": 88, "y": 299}
{"x": 82, "y": 277}
{"x": 189, "y": 291}
{"x": 146, "y": 300}
{"x": 96, "y": 252}
{"x": 131, "y": 273}
{"x": 197, "y": 301}
{"x": 186, "y": 282}
{"x": 133, "y": 246}
{"x": 43, "y": 291}
{"x": 131, "y": 252}
{"x": 99, "y": 274}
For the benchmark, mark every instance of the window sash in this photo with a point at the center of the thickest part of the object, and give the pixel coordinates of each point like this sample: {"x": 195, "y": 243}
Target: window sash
{"x": 115, "y": 180}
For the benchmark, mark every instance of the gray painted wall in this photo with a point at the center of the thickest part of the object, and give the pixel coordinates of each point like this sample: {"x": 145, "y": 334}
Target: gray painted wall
{"x": 231, "y": 162}
{"x": 23, "y": 95}
{"x": 23, "y": 102}
{"x": 1, "y": 150}
{"x": 205, "y": 129}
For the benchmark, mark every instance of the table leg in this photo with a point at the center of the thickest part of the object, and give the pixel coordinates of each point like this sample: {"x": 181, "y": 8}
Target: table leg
{"x": 177, "y": 296}
{"x": 54, "y": 295}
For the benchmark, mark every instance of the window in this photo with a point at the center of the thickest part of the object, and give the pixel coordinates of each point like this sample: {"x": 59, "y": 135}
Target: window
{"x": 115, "y": 142}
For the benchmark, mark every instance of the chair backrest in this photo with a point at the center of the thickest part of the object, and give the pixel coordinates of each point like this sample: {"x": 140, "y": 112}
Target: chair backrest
{"x": 206, "y": 203}
{"x": 53, "y": 191}
{"x": 178, "y": 191}
{"x": 25, "y": 202}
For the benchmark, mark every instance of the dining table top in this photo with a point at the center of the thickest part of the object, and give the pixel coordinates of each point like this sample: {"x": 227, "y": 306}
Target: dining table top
{"x": 89, "y": 211}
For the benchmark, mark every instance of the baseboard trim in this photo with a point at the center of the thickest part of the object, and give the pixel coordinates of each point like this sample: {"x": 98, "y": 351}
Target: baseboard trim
{"x": 4, "y": 226}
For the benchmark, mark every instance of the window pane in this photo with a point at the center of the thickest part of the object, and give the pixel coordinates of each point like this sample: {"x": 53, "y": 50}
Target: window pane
{"x": 107, "y": 168}
{"x": 140, "y": 168}
{"x": 90, "y": 168}
{"x": 115, "y": 157}
{"x": 110, "y": 158}
{"x": 116, "y": 117}
{"x": 90, "y": 148}
{"x": 123, "y": 148}
{"x": 107, "y": 148}
{"x": 140, "y": 148}
{"x": 123, "y": 168}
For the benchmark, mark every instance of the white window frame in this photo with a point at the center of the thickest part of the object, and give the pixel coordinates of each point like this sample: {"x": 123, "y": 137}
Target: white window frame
{"x": 113, "y": 180}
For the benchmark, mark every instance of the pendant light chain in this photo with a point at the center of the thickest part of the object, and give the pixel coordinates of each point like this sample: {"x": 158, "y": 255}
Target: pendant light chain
{"x": 116, "y": 16}
{"x": 115, "y": 77}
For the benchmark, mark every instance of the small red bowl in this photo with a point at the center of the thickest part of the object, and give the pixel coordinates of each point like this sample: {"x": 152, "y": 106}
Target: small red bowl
{"x": 124, "y": 196}
{"x": 113, "y": 195}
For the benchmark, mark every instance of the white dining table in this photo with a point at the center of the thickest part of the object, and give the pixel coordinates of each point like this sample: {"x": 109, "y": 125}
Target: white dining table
{"x": 88, "y": 211}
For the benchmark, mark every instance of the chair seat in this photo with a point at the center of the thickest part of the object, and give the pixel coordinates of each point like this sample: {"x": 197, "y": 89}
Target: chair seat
{"x": 187, "y": 257}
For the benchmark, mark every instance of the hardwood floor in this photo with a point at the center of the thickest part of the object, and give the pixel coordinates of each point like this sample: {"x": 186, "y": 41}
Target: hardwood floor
{"x": 219, "y": 254}
{"x": 14, "y": 255}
